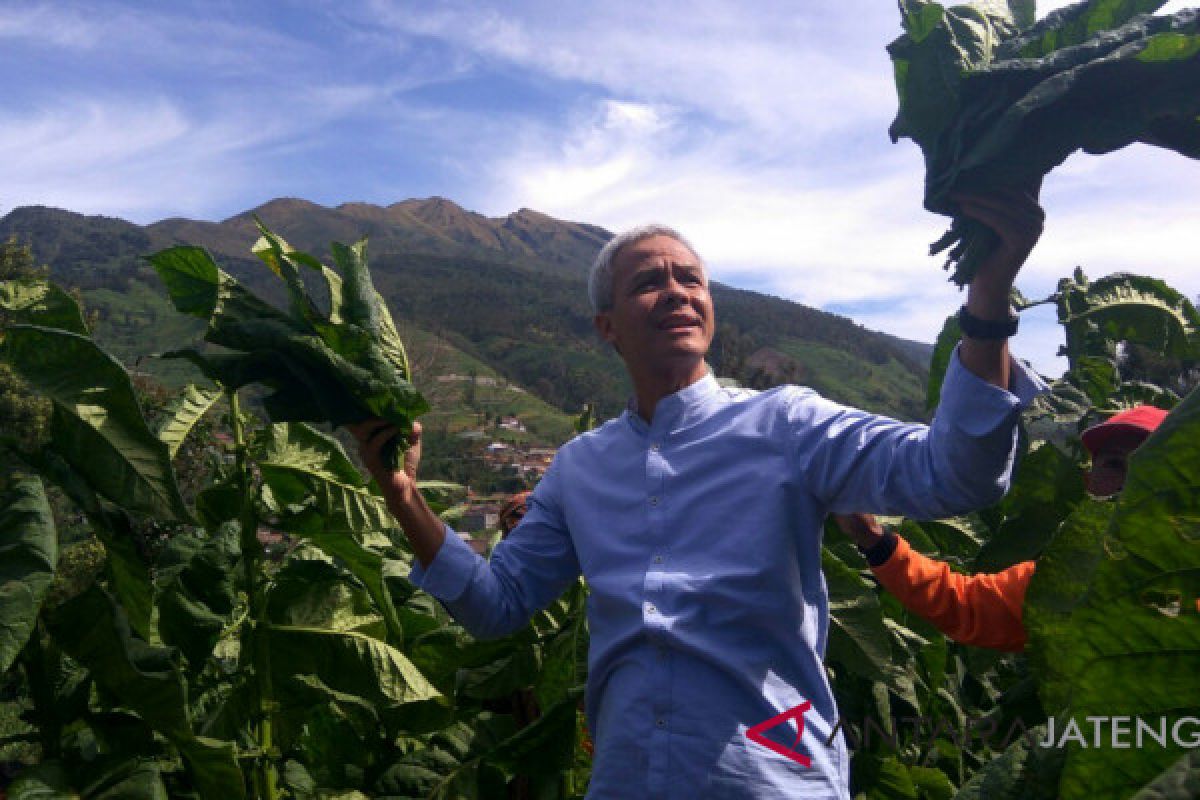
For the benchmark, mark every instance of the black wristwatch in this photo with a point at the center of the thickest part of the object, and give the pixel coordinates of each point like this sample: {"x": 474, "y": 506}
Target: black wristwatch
{"x": 977, "y": 328}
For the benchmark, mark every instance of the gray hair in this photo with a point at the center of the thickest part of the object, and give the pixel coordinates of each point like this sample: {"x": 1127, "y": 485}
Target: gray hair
{"x": 600, "y": 279}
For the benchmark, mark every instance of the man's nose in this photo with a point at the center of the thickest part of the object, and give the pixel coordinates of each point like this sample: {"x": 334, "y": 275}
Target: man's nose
{"x": 674, "y": 292}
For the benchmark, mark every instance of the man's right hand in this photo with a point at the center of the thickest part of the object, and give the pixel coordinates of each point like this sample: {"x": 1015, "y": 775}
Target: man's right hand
{"x": 424, "y": 530}
{"x": 372, "y": 435}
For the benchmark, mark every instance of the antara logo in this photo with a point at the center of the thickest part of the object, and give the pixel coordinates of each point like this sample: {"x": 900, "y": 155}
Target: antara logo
{"x": 755, "y": 734}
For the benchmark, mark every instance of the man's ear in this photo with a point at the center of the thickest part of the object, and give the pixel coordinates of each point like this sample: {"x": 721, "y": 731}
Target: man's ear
{"x": 604, "y": 326}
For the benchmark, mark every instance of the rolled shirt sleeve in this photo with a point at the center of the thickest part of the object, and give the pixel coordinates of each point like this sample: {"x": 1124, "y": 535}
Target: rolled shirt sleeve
{"x": 529, "y": 569}
{"x": 853, "y": 461}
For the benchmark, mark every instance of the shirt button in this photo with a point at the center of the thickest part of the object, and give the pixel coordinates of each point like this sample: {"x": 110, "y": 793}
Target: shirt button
{"x": 660, "y": 722}
{"x": 650, "y": 609}
{"x": 653, "y": 499}
{"x": 654, "y": 446}
{"x": 658, "y": 559}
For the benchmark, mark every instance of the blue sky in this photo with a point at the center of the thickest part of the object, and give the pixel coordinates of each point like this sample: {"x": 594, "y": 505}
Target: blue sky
{"x": 761, "y": 135}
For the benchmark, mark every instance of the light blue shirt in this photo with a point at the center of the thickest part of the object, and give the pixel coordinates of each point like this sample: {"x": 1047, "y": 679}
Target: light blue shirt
{"x": 699, "y": 536}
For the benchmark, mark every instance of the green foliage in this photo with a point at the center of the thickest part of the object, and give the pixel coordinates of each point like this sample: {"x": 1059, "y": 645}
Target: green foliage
{"x": 183, "y": 413}
{"x": 97, "y": 426}
{"x": 994, "y": 100}
{"x": 341, "y": 367}
{"x": 29, "y": 543}
{"x": 216, "y": 671}
{"x": 1114, "y": 622}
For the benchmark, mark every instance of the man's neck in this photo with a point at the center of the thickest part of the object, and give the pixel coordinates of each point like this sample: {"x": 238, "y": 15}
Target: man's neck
{"x": 650, "y": 388}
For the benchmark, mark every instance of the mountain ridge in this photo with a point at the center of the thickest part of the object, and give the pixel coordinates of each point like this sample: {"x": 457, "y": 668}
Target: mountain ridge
{"x": 508, "y": 291}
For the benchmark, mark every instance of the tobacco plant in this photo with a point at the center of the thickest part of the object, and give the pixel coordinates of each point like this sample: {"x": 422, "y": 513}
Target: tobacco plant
{"x": 223, "y": 669}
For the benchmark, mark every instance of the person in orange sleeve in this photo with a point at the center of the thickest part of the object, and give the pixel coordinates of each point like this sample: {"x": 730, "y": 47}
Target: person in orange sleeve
{"x": 985, "y": 610}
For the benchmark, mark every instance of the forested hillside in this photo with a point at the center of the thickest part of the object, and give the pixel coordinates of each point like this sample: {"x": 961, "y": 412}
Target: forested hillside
{"x": 506, "y": 292}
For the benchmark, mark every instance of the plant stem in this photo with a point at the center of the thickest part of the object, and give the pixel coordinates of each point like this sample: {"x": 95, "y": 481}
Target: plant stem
{"x": 263, "y": 700}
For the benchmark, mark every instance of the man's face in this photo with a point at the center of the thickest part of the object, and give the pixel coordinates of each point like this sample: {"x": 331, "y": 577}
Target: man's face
{"x": 1110, "y": 463}
{"x": 662, "y": 314}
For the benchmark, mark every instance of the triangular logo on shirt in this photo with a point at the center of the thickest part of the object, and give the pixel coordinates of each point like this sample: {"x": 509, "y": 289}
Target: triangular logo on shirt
{"x": 755, "y": 734}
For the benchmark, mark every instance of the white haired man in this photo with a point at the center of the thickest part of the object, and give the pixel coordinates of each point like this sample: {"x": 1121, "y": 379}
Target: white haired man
{"x": 695, "y": 518}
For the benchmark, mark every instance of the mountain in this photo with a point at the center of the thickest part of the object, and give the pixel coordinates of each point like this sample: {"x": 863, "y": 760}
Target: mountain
{"x": 506, "y": 295}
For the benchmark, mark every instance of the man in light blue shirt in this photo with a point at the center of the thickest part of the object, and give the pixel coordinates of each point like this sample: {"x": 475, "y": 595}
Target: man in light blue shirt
{"x": 695, "y": 518}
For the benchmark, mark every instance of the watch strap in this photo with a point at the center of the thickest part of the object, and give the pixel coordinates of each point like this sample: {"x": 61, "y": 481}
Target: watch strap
{"x": 977, "y": 328}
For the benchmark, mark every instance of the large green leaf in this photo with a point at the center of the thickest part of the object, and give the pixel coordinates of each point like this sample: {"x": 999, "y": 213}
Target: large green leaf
{"x": 1024, "y": 771}
{"x": 319, "y": 494}
{"x": 564, "y": 657}
{"x": 353, "y": 664}
{"x": 97, "y": 426}
{"x": 858, "y": 636}
{"x": 53, "y": 780}
{"x": 943, "y": 350}
{"x": 545, "y": 747}
{"x": 28, "y": 555}
{"x": 1060, "y": 583}
{"x": 1180, "y": 781}
{"x": 92, "y": 629}
{"x": 129, "y": 577}
{"x": 196, "y": 591}
{"x": 37, "y": 302}
{"x": 1125, "y": 307}
{"x": 1047, "y": 486}
{"x": 182, "y": 414}
{"x": 1127, "y": 642}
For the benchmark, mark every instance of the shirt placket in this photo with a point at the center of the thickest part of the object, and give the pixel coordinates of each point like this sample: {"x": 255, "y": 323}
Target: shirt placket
{"x": 655, "y": 593}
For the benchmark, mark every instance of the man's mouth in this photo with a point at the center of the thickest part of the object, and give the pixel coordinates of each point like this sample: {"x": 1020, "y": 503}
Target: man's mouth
{"x": 679, "y": 323}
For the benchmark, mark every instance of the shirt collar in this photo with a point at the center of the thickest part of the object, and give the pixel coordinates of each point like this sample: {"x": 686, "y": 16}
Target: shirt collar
{"x": 675, "y": 410}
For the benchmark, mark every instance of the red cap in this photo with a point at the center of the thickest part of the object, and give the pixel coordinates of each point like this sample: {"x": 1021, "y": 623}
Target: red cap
{"x": 1139, "y": 419}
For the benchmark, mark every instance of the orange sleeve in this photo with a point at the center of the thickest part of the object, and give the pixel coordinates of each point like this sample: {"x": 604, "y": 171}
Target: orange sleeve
{"x": 980, "y": 610}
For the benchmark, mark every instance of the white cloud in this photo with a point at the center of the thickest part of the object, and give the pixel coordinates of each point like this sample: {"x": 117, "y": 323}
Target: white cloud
{"x": 760, "y": 133}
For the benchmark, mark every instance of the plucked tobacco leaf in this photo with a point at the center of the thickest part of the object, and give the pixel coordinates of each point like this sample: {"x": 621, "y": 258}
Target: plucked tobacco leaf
{"x": 1074, "y": 25}
{"x": 97, "y": 425}
{"x": 28, "y": 555}
{"x": 182, "y": 414}
{"x": 342, "y": 367}
{"x": 1127, "y": 642}
{"x": 991, "y": 106}
{"x": 39, "y": 302}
